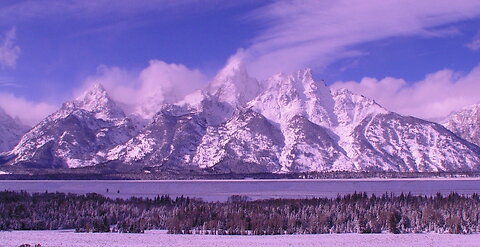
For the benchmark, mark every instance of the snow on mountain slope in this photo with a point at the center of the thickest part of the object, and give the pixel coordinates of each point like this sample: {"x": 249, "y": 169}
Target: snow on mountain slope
{"x": 170, "y": 139}
{"x": 286, "y": 96}
{"x": 310, "y": 147}
{"x": 287, "y": 123}
{"x": 397, "y": 143}
{"x": 350, "y": 108}
{"x": 11, "y": 130}
{"x": 96, "y": 101}
{"x": 338, "y": 130}
{"x": 293, "y": 124}
{"x": 178, "y": 135}
{"x": 316, "y": 121}
{"x": 72, "y": 136}
{"x": 465, "y": 123}
{"x": 247, "y": 142}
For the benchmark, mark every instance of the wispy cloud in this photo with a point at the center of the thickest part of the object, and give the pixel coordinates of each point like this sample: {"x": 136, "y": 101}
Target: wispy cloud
{"x": 474, "y": 45}
{"x": 6, "y": 81}
{"x": 108, "y": 15}
{"x": 315, "y": 33}
{"x": 112, "y": 10}
{"x": 434, "y": 97}
{"x": 9, "y": 51}
{"x": 9, "y": 84}
{"x": 81, "y": 9}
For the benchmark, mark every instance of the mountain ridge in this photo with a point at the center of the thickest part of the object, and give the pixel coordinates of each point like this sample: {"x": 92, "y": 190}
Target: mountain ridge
{"x": 236, "y": 124}
{"x": 71, "y": 136}
{"x": 465, "y": 123}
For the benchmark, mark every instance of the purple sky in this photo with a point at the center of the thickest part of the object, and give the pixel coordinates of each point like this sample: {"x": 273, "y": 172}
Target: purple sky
{"x": 419, "y": 58}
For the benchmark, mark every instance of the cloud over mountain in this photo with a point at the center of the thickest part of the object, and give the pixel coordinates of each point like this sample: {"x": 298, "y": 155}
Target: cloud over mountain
{"x": 144, "y": 91}
{"x": 434, "y": 97}
{"x": 29, "y": 112}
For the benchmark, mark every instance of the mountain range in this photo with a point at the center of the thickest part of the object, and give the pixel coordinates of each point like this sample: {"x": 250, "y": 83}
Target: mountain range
{"x": 236, "y": 124}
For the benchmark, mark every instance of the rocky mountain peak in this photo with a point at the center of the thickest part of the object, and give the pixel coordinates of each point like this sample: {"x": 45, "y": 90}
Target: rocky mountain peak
{"x": 289, "y": 95}
{"x": 465, "y": 123}
{"x": 76, "y": 134}
{"x": 303, "y": 75}
{"x": 351, "y": 108}
{"x": 96, "y": 92}
{"x": 97, "y": 100}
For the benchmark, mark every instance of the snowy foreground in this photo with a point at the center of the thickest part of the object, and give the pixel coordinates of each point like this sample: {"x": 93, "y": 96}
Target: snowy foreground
{"x": 160, "y": 238}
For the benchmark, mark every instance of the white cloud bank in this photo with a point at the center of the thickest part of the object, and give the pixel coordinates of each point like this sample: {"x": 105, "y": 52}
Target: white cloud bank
{"x": 9, "y": 52}
{"x": 145, "y": 91}
{"x": 140, "y": 92}
{"x": 434, "y": 97}
{"x": 29, "y": 112}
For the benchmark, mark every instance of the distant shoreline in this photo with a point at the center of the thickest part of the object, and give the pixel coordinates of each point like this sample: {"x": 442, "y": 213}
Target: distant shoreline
{"x": 252, "y": 180}
{"x": 147, "y": 174}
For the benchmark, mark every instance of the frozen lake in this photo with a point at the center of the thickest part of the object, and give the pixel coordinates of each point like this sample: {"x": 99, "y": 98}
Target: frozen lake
{"x": 214, "y": 190}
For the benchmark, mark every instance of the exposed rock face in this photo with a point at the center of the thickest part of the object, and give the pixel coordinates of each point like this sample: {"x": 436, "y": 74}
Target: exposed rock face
{"x": 465, "y": 123}
{"x": 171, "y": 139}
{"x": 396, "y": 143}
{"x": 247, "y": 142}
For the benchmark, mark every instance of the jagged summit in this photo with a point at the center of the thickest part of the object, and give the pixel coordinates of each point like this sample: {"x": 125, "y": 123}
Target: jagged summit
{"x": 96, "y": 90}
{"x": 97, "y": 100}
{"x": 296, "y": 94}
{"x": 75, "y": 135}
{"x": 352, "y": 108}
{"x": 465, "y": 123}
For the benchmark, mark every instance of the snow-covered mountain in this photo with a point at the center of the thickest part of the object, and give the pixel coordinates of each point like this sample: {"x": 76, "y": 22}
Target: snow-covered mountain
{"x": 11, "y": 130}
{"x": 75, "y": 135}
{"x": 247, "y": 142}
{"x": 232, "y": 87}
{"x": 292, "y": 123}
{"x": 465, "y": 123}
{"x": 399, "y": 143}
{"x": 286, "y": 123}
{"x": 169, "y": 139}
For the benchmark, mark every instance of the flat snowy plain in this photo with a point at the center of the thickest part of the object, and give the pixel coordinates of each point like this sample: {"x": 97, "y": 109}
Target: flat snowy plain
{"x": 160, "y": 238}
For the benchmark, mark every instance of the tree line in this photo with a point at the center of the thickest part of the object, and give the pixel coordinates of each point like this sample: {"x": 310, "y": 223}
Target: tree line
{"x": 353, "y": 213}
